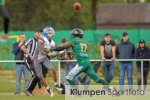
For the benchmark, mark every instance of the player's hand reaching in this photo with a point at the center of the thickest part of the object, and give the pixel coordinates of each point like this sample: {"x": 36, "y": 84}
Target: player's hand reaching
{"x": 48, "y": 50}
{"x": 51, "y": 53}
{"x": 62, "y": 52}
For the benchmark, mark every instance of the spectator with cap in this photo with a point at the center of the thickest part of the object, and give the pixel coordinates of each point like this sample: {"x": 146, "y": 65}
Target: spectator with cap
{"x": 142, "y": 52}
{"x": 125, "y": 50}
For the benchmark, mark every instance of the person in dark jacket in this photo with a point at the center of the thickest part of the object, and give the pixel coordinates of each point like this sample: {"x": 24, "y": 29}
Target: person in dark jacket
{"x": 20, "y": 66}
{"x": 125, "y": 50}
{"x": 142, "y": 52}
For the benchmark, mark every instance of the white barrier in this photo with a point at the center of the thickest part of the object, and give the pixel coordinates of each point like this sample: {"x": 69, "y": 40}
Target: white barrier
{"x": 59, "y": 70}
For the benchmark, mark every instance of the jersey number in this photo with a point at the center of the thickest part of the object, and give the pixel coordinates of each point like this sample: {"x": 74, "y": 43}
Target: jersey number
{"x": 83, "y": 47}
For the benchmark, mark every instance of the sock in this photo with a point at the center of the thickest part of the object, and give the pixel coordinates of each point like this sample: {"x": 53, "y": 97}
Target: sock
{"x": 48, "y": 89}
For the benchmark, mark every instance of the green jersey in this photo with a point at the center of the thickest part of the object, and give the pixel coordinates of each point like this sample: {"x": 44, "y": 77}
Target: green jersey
{"x": 79, "y": 48}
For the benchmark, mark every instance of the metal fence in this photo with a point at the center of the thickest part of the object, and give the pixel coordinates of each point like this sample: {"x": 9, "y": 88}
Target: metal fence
{"x": 59, "y": 69}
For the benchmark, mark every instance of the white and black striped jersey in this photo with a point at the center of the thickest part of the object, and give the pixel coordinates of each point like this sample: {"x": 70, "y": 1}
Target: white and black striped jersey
{"x": 31, "y": 46}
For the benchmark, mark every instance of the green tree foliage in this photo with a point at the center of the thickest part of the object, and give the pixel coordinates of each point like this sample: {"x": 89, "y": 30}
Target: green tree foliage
{"x": 28, "y": 14}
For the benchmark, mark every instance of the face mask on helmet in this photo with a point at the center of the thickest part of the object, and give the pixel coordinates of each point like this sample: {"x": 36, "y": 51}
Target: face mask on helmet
{"x": 48, "y": 31}
{"x": 77, "y": 33}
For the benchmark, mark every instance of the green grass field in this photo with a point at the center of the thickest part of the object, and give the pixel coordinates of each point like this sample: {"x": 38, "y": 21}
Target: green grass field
{"x": 8, "y": 84}
{"x": 62, "y": 97}
{"x": 24, "y": 97}
{"x": 7, "y": 90}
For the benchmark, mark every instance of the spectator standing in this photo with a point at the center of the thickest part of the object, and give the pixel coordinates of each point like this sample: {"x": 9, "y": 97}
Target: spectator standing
{"x": 142, "y": 52}
{"x": 125, "y": 50}
{"x": 108, "y": 51}
{"x": 20, "y": 66}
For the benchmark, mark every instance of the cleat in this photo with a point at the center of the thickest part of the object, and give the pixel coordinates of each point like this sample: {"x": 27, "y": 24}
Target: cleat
{"x": 28, "y": 93}
{"x": 58, "y": 88}
{"x": 50, "y": 92}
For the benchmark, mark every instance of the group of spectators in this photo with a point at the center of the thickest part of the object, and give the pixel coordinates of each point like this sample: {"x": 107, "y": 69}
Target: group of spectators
{"x": 109, "y": 51}
{"x": 124, "y": 50}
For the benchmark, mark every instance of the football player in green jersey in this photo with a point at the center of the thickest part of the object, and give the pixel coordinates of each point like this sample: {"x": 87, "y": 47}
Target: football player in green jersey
{"x": 79, "y": 48}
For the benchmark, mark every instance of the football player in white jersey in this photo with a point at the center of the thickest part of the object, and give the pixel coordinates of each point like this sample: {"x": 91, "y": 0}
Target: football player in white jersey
{"x": 43, "y": 56}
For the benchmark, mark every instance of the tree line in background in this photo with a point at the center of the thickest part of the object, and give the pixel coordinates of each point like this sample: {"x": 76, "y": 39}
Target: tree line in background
{"x": 28, "y": 14}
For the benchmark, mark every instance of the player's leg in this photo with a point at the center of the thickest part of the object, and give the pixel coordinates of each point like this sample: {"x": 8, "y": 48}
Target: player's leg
{"x": 30, "y": 66}
{"x": 38, "y": 69}
{"x": 92, "y": 74}
{"x": 85, "y": 79}
{"x": 44, "y": 71}
{"x": 35, "y": 79}
{"x": 4, "y": 14}
{"x": 69, "y": 67}
{"x": 48, "y": 65}
{"x": 73, "y": 73}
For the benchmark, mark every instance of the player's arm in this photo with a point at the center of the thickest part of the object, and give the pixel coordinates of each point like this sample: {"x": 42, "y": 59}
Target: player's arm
{"x": 24, "y": 48}
{"x": 62, "y": 47}
{"x": 55, "y": 55}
